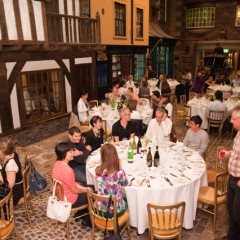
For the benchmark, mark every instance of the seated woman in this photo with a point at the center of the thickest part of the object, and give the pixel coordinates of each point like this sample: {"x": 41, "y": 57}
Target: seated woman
{"x": 11, "y": 169}
{"x": 75, "y": 193}
{"x": 209, "y": 82}
{"x": 111, "y": 178}
{"x": 132, "y": 105}
{"x": 95, "y": 135}
{"x": 144, "y": 89}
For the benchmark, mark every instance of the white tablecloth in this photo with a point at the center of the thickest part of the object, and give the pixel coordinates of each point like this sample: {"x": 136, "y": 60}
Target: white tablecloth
{"x": 199, "y": 107}
{"x": 153, "y": 82}
{"x": 160, "y": 191}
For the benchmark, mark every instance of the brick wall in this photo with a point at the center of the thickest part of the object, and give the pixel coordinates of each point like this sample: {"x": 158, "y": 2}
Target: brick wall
{"x": 40, "y": 131}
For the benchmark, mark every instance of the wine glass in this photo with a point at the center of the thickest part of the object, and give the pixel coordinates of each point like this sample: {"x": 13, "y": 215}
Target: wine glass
{"x": 221, "y": 156}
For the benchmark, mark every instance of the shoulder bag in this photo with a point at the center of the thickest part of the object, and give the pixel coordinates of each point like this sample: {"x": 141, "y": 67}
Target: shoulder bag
{"x": 57, "y": 209}
{"x": 114, "y": 237}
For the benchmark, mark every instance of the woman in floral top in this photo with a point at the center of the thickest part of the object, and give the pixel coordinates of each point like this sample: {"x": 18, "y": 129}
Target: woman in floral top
{"x": 111, "y": 177}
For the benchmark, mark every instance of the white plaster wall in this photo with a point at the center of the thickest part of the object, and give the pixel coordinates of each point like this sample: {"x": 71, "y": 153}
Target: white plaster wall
{"x": 38, "y": 20}
{"x": 83, "y": 60}
{"x": 24, "y": 14}
{"x": 10, "y": 19}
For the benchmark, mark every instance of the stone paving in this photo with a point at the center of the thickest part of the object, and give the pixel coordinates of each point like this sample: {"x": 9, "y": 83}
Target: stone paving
{"x": 43, "y": 157}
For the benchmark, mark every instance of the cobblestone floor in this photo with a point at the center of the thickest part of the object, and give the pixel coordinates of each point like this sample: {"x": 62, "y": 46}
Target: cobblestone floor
{"x": 43, "y": 157}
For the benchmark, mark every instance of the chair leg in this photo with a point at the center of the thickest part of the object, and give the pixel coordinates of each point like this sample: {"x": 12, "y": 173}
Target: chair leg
{"x": 28, "y": 215}
{"x": 215, "y": 218}
{"x": 129, "y": 230}
{"x": 15, "y": 230}
{"x": 68, "y": 229}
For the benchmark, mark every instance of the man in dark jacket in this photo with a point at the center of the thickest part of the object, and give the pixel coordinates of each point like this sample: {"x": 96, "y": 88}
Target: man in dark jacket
{"x": 81, "y": 153}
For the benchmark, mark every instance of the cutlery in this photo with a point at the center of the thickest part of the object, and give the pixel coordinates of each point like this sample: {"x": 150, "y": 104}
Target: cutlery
{"x": 170, "y": 182}
{"x": 182, "y": 175}
{"x": 173, "y": 175}
{"x": 143, "y": 181}
{"x": 167, "y": 180}
{"x": 148, "y": 183}
{"x": 130, "y": 184}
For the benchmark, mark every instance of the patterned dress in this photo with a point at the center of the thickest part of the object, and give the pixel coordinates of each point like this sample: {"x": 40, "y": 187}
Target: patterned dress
{"x": 112, "y": 185}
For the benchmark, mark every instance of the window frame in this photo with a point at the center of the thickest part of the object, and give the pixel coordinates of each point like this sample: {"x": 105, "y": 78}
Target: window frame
{"x": 237, "y": 18}
{"x": 197, "y": 16}
{"x": 119, "y": 19}
{"x": 44, "y": 105}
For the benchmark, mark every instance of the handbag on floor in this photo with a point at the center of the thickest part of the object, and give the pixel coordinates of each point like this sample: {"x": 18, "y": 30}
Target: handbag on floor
{"x": 113, "y": 237}
{"x": 57, "y": 209}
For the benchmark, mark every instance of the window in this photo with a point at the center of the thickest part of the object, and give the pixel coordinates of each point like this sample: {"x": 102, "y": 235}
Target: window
{"x": 120, "y": 19}
{"x": 162, "y": 11}
{"x": 139, "y": 67}
{"x": 237, "y": 24}
{"x": 43, "y": 94}
{"x": 203, "y": 17}
{"x": 139, "y": 23}
{"x": 84, "y": 8}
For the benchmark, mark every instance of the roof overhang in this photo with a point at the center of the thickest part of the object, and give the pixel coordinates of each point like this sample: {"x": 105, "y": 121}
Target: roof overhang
{"x": 156, "y": 31}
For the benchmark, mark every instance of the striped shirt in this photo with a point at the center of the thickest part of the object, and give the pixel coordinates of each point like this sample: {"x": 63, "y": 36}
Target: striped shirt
{"x": 234, "y": 160}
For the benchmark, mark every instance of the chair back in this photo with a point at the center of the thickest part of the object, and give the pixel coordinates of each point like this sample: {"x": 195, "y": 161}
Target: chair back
{"x": 74, "y": 121}
{"x": 97, "y": 209}
{"x": 59, "y": 193}
{"x": 215, "y": 118}
{"x": 22, "y": 154}
{"x": 226, "y": 94}
{"x": 107, "y": 132}
{"x": 187, "y": 112}
{"x": 221, "y": 185}
{"x": 165, "y": 221}
{"x": 92, "y": 103}
{"x": 183, "y": 99}
{"x": 26, "y": 185}
{"x": 7, "y": 216}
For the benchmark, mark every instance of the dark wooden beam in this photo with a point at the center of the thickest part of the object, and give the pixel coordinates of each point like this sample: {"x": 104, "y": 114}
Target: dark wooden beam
{"x": 18, "y": 20}
{"x": 32, "y": 20}
{"x": 65, "y": 70}
{"x": 3, "y": 24}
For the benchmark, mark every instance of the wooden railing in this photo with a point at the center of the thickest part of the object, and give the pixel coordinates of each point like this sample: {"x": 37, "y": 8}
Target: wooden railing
{"x": 65, "y": 29}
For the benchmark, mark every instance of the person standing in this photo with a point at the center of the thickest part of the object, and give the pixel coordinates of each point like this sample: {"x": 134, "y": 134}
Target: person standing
{"x": 187, "y": 82}
{"x": 82, "y": 107}
{"x": 233, "y": 194}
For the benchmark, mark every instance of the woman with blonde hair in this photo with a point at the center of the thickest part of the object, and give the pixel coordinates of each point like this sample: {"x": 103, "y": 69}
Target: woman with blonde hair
{"x": 11, "y": 173}
{"x": 111, "y": 177}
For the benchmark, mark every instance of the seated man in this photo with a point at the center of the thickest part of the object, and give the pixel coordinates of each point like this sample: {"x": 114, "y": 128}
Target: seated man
{"x": 217, "y": 104}
{"x": 159, "y": 128}
{"x": 196, "y": 138}
{"x": 123, "y": 128}
{"x": 81, "y": 153}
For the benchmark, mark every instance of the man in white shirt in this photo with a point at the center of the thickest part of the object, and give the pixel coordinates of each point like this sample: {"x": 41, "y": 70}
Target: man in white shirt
{"x": 159, "y": 128}
{"x": 196, "y": 138}
{"x": 217, "y": 104}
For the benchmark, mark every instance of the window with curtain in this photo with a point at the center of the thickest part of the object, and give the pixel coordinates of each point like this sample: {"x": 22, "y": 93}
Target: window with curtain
{"x": 203, "y": 17}
{"x": 120, "y": 19}
{"x": 237, "y": 23}
{"x": 139, "y": 23}
{"x": 43, "y": 94}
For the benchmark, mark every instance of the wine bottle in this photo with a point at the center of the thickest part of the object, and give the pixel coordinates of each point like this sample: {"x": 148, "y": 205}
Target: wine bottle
{"x": 149, "y": 157}
{"x": 139, "y": 146}
{"x": 130, "y": 154}
{"x": 156, "y": 158}
{"x": 134, "y": 146}
{"x": 113, "y": 105}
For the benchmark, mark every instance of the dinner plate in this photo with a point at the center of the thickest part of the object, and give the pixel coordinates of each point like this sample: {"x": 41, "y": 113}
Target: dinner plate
{"x": 198, "y": 165}
{"x": 179, "y": 180}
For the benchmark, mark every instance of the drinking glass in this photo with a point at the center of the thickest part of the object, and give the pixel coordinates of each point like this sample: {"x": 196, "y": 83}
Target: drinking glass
{"x": 221, "y": 156}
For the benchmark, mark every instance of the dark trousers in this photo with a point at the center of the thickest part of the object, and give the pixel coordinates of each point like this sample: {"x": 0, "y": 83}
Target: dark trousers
{"x": 233, "y": 205}
{"x": 187, "y": 89}
{"x": 80, "y": 174}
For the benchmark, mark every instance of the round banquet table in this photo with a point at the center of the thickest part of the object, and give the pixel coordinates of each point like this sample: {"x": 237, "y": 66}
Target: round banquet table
{"x": 174, "y": 161}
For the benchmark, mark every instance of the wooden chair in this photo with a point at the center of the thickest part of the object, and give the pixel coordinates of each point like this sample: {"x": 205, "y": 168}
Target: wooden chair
{"x": 187, "y": 113}
{"x": 213, "y": 197}
{"x": 221, "y": 165}
{"x": 173, "y": 100}
{"x": 107, "y": 132}
{"x": 60, "y": 195}
{"x": 165, "y": 221}
{"x": 226, "y": 94}
{"x": 27, "y": 196}
{"x": 215, "y": 119}
{"x": 92, "y": 103}
{"x": 7, "y": 219}
{"x": 22, "y": 154}
{"x": 180, "y": 107}
{"x": 209, "y": 90}
{"x": 97, "y": 215}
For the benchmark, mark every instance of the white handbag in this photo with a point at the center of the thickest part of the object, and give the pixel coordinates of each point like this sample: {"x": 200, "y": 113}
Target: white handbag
{"x": 58, "y": 210}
